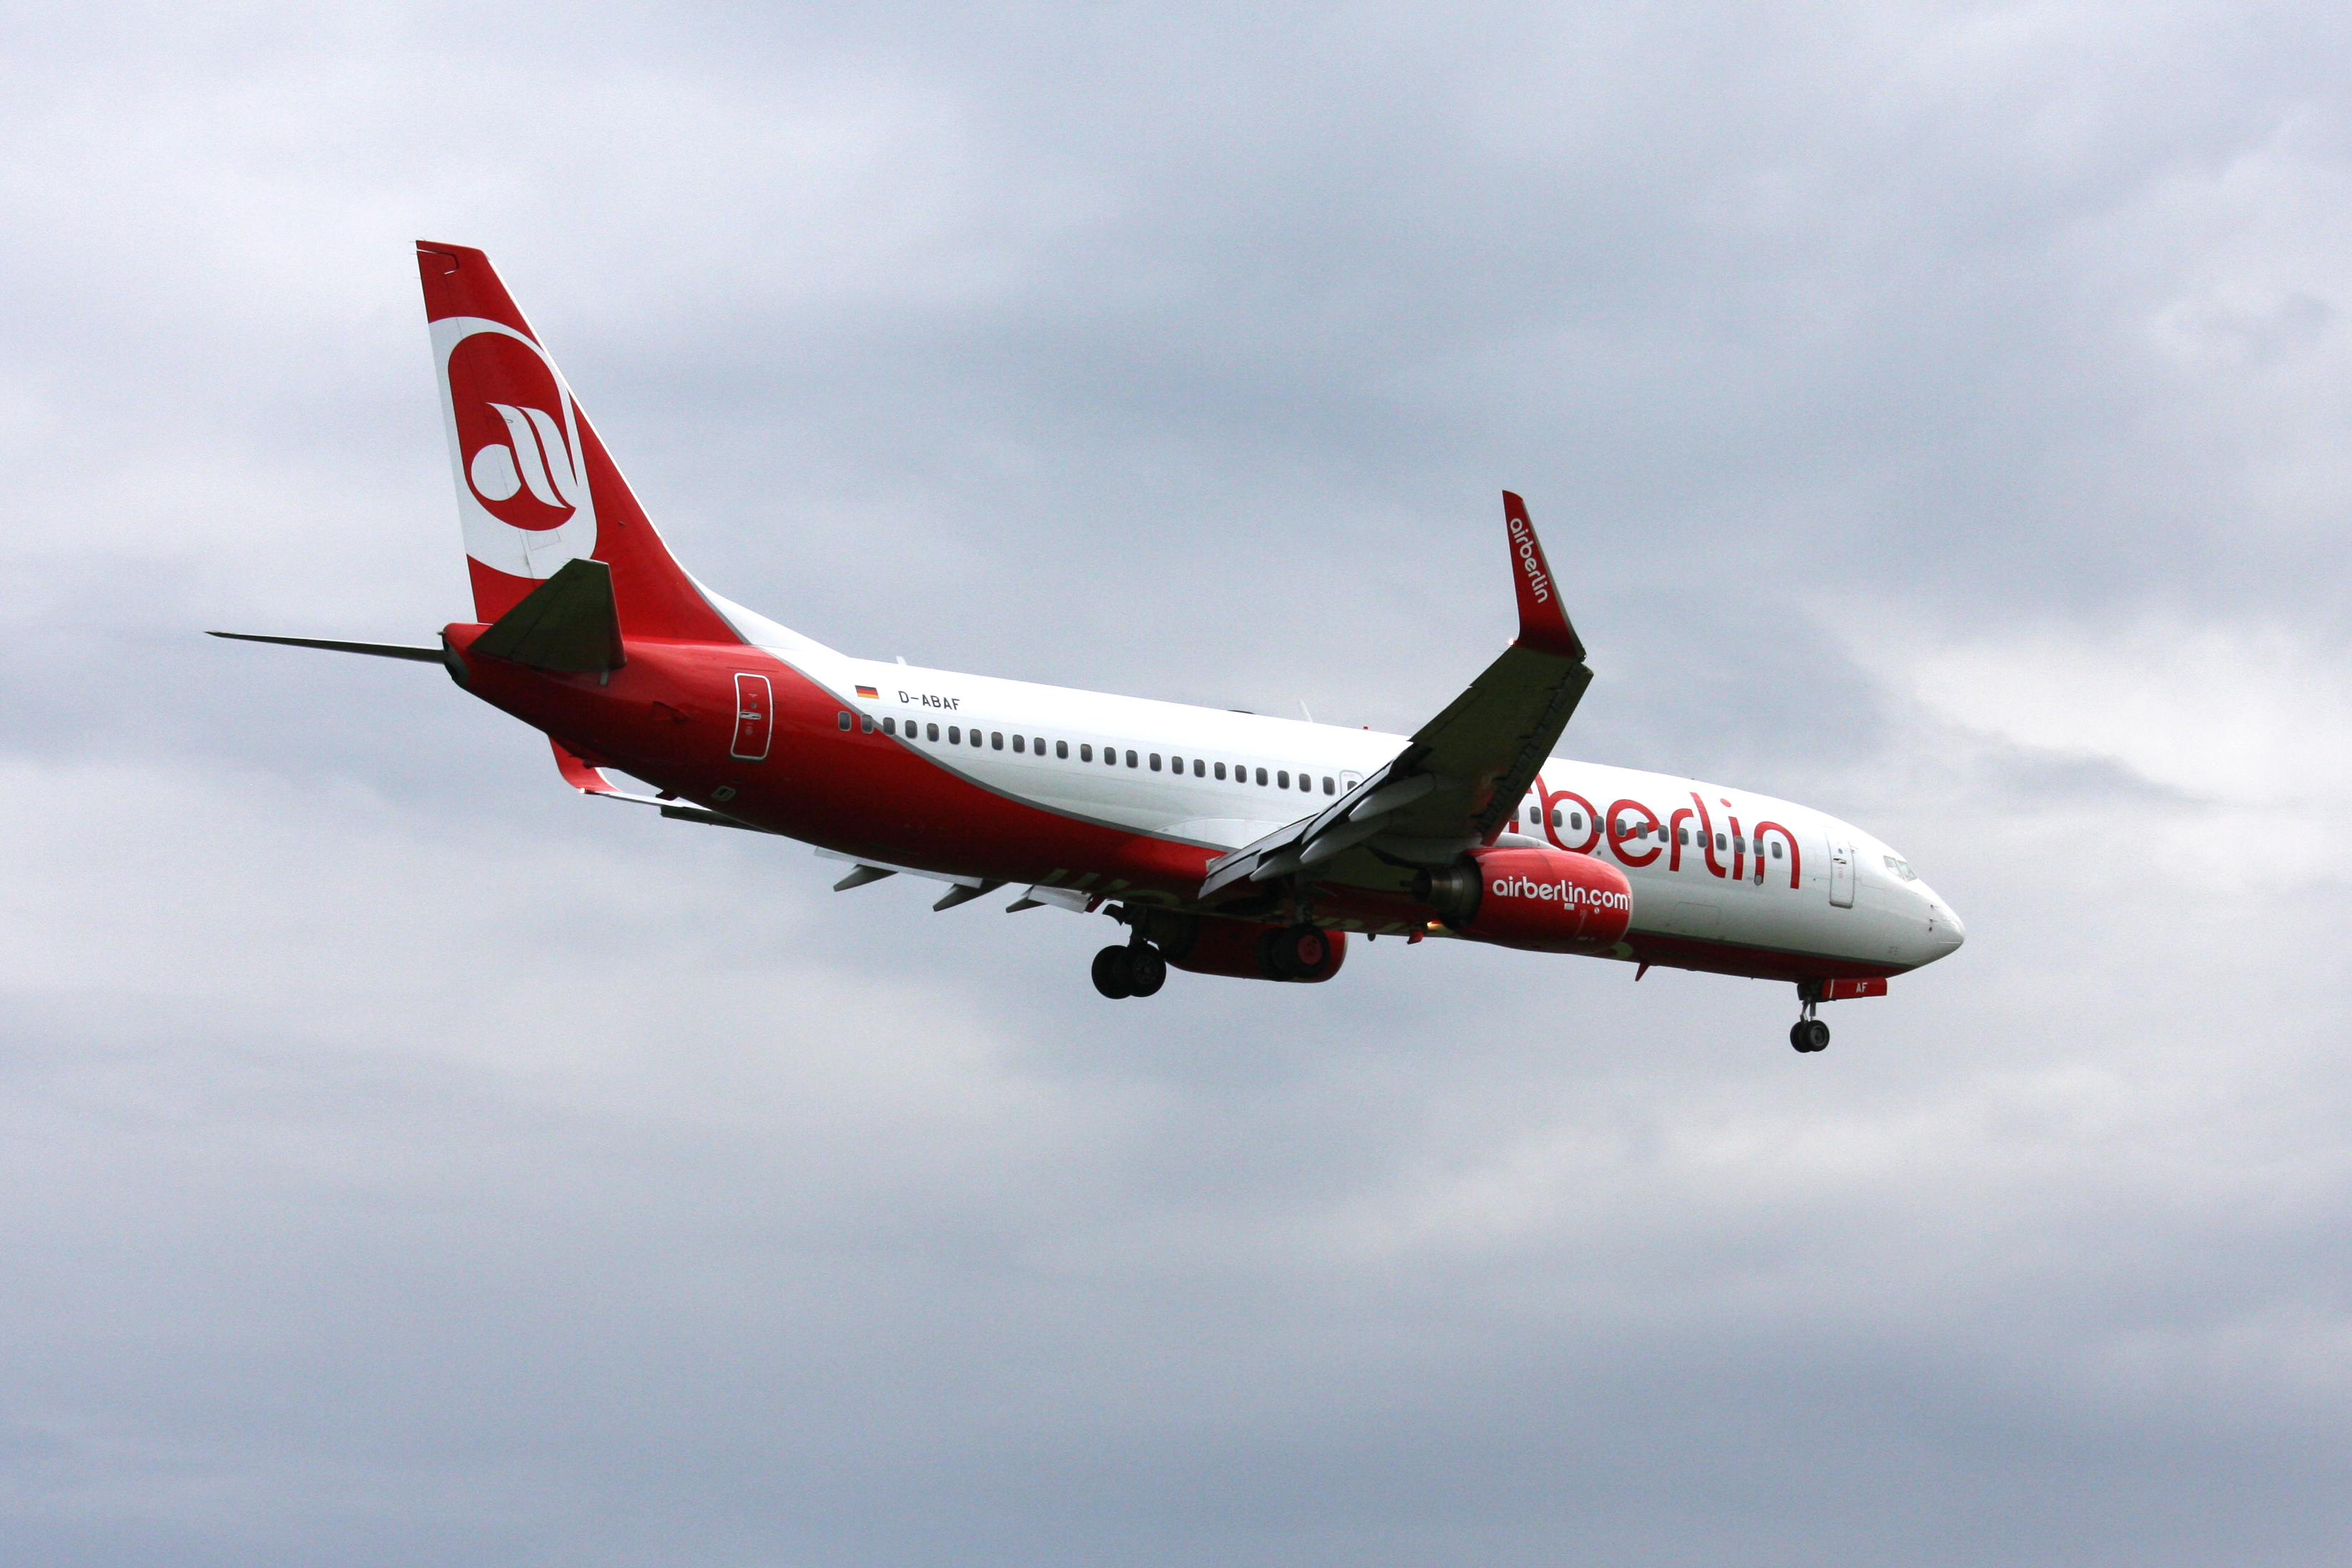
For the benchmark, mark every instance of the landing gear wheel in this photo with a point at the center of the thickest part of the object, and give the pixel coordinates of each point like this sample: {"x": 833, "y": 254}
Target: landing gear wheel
{"x": 1114, "y": 976}
{"x": 1147, "y": 970}
{"x": 1810, "y": 1035}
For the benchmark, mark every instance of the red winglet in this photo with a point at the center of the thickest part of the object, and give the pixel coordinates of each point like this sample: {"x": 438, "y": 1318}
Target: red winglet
{"x": 1543, "y": 624}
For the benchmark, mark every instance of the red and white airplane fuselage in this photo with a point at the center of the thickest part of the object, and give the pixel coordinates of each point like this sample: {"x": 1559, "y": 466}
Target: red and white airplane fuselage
{"x": 1229, "y": 843}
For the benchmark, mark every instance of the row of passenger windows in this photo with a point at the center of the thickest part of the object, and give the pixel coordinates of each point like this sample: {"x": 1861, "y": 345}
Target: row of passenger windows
{"x": 1632, "y": 827}
{"x": 957, "y": 735}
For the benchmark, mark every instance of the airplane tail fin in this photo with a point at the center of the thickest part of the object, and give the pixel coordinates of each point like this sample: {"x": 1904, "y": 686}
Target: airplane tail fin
{"x": 536, "y": 489}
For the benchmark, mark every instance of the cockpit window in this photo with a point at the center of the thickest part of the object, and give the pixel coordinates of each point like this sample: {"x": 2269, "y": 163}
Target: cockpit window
{"x": 1902, "y": 868}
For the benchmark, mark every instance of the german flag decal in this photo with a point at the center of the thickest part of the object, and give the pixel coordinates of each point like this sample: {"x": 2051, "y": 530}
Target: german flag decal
{"x": 868, "y": 692}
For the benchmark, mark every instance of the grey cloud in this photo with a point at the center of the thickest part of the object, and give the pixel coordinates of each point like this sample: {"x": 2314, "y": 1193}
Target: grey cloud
{"x": 409, "y": 1160}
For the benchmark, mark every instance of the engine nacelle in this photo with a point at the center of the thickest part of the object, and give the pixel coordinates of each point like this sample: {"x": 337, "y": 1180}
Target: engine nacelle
{"x": 1247, "y": 950}
{"x": 1544, "y": 900}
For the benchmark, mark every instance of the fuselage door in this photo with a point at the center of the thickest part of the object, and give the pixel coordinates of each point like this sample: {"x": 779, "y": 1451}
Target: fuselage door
{"x": 754, "y": 719}
{"x": 1841, "y": 874}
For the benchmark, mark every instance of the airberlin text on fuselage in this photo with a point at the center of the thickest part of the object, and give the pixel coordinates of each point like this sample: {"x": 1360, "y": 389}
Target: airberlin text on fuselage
{"x": 1629, "y": 823}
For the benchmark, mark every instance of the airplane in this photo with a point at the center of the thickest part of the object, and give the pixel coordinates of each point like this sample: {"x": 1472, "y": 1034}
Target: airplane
{"x": 1226, "y": 843}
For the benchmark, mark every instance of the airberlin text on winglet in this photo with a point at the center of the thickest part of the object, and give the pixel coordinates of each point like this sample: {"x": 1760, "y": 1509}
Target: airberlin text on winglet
{"x": 1539, "y": 580}
{"x": 1543, "y": 624}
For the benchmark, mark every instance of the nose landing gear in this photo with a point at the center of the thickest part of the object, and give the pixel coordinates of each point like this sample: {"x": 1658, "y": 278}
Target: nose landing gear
{"x": 1808, "y": 1033}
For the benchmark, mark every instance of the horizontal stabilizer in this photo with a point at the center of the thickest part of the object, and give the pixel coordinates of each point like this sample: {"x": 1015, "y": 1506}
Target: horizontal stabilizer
{"x": 377, "y": 649}
{"x": 567, "y": 623}
{"x": 707, "y": 817}
{"x": 579, "y": 773}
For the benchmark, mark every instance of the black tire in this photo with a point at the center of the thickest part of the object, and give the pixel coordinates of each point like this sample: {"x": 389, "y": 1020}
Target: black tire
{"x": 1812, "y": 1035}
{"x": 1797, "y": 1035}
{"x": 1147, "y": 970}
{"x": 1114, "y": 977}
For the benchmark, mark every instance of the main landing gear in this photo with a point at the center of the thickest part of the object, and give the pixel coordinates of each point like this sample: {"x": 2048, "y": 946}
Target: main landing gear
{"x": 1138, "y": 969}
{"x": 1135, "y": 970}
{"x": 1808, "y": 1033}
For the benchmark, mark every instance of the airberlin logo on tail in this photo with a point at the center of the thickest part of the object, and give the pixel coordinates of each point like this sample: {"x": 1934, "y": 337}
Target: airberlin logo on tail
{"x": 537, "y": 458}
{"x": 1567, "y": 895}
{"x": 1523, "y": 541}
{"x": 516, "y": 438}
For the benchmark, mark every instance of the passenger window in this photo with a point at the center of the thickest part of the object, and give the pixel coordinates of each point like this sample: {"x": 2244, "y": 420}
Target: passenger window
{"x": 931, "y": 731}
{"x": 1175, "y": 764}
{"x": 1260, "y": 775}
{"x": 841, "y": 720}
{"x": 1221, "y": 773}
{"x": 1682, "y": 836}
{"x": 1721, "y": 843}
{"x": 996, "y": 738}
{"x": 1282, "y": 780}
{"x": 1018, "y": 745}
{"x": 889, "y": 726}
{"x": 1130, "y": 759}
{"x": 1086, "y": 753}
{"x": 1329, "y": 788}
{"x": 1775, "y": 849}
{"x": 1061, "y": 750}
{"x": 1037, "y": 744}
{"x": 1739, "y": 843}
{"x": 1155, "y": 762}
{"x": 1200, "y": 769}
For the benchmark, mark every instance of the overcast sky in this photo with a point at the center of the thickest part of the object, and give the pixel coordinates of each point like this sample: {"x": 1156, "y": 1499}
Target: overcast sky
{"x": 1941, "y": 415}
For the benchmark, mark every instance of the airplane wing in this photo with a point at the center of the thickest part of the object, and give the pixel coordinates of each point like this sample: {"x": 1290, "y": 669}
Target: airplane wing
{"x": 1463, "y": 774}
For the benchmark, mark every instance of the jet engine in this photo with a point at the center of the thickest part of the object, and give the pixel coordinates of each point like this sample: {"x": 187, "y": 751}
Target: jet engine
{"x": 1545, "y": 900}
{"x": 1247, "y": 950}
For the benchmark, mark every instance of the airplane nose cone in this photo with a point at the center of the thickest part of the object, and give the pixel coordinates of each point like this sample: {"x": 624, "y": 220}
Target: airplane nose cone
{"x": 1948, "y": 932}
